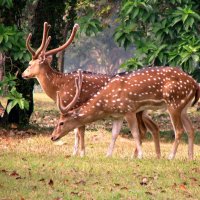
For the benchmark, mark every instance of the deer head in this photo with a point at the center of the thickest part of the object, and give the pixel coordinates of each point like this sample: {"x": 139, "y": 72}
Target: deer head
{"x": 42, "y": 58}
{"x": 65, "y": 110}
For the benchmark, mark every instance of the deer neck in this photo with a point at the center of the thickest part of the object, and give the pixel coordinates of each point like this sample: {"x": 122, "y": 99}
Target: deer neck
{"x": 47, "y": 79}
{"x": 92, "y": 111}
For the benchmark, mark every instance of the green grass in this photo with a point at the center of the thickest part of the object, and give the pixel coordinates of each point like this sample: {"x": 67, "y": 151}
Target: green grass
{"x": 32, "y": 167}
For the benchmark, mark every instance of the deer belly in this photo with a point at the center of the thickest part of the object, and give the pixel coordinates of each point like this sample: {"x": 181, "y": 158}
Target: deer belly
{"x": 151, "y": 104}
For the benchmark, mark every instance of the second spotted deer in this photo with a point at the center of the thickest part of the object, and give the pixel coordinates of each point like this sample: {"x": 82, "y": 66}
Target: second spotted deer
{"x": 127, "y": 94}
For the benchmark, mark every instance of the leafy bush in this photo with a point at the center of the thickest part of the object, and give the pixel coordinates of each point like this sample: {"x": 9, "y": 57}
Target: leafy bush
{"x": 164, "y": 32}
{"x": 15, "y": 98}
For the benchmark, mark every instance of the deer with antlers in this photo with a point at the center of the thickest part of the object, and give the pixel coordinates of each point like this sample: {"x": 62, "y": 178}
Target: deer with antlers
{"x": 52, "y": 81}
{"x": 125, "y": 95}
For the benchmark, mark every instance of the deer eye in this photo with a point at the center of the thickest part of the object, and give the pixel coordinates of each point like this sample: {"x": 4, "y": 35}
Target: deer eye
{"x": 61, "y": 123}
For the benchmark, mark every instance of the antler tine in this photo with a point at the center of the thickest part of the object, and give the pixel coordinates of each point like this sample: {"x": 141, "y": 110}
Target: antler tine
{"x": 28, "y": 45}
{"x": 80, "y": 77}
{"x": 44, "y": 38}
{"x": 47, "y": 44}
{"x": 78, "y": 83}
{"x": 66, "y": 44}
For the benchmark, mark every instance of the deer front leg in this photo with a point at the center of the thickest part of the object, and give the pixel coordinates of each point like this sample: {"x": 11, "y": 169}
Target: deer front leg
{"x": 133, "y": 125}
{"x": 79, "y": 137}
{"x": 76, "y": 142}
{"x": 117, "y": 124}
{"x": 82, "y": 140}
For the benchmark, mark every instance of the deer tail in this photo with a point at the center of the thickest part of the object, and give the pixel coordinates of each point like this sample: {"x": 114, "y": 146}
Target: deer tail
{"x": 197, "y": 95}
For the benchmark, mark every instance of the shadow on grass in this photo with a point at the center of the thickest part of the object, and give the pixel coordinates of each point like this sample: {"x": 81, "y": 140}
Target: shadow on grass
{"x": 165, "y": 136}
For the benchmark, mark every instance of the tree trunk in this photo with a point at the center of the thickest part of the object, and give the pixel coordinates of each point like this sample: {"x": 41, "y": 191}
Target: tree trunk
{"x": 52, "y": 12}
{"x": 69, "y": 26}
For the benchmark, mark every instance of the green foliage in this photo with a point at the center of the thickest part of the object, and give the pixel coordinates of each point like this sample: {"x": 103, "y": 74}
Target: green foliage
{"x": 12, "y": 45}
{"x": 12, "y": 41}
{"x": 163, "y": 32}
{"x": 14, "y": 97}
{"x": 132, "y": 63}
{"x": 6, "y": 3}
{"x": 89, "y": 25}
{"x": 90, "y": 15}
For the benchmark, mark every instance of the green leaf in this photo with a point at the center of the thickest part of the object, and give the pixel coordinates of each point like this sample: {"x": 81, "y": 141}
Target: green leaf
{"x": 195, "y": 58}
{"x": 1, "y": 38}
{"x": 175, "y": 21}
{"x": 184, "y": 17}
{"x": 129, "y": 10}
{"x": 5, "y": 38}
{"x": 11, "y": 105}
{"x": 21, "y": 103}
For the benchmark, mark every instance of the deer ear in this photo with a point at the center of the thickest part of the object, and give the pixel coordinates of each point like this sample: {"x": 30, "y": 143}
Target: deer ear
{"x": 49, "y": 59}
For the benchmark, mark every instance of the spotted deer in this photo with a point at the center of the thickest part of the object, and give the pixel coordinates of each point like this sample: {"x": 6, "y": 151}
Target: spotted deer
{"x": 52, "y": 81}
{"x": 125, "y": 95}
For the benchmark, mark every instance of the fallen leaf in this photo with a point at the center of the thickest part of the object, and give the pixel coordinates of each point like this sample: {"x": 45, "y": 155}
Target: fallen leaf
{"x": 81, "y": 182}
{"x": 124, "y": 188}
{"x": 182, "y": 187}
{"x": 197, "y": 170}
{"x": 4, "y": 171}
{"x": 193, "y": 179}
{"x": 14, "y": 173}
{"x": 174, "y": 186}
{"x": 149, "y": 193}
{"x": 67, "y": 156}
{"x": 50, "y": 182}
{"x": 96, "y": 183}
{"x": 74, "y": 193}
{"x": 19, "y": 177}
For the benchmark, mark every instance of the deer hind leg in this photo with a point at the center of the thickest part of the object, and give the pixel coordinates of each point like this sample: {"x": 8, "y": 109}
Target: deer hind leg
{"x": 79, "y": 137}
{"x": 153, "y": 128}
{"x": 133, "y": 125}
{"x": 117, "y": 124}
{"x": 142, "y": 130}
{"x": 190, "y": 131}
{"x": 178, "y": 129}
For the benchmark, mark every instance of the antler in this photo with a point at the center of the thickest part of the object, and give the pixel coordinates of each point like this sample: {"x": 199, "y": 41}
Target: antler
{"x": 69, "y": 41}
{"x": 43, "y": 43}
{"x": 78, "y": 84}
{"x": 28, "y": 45}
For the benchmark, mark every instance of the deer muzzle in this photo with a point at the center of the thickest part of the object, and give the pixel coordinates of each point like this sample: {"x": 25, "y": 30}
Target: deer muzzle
{"x": 55, "y": 138}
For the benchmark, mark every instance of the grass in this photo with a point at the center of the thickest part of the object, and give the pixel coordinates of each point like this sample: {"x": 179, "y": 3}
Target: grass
{"x": 32, "y": 167}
